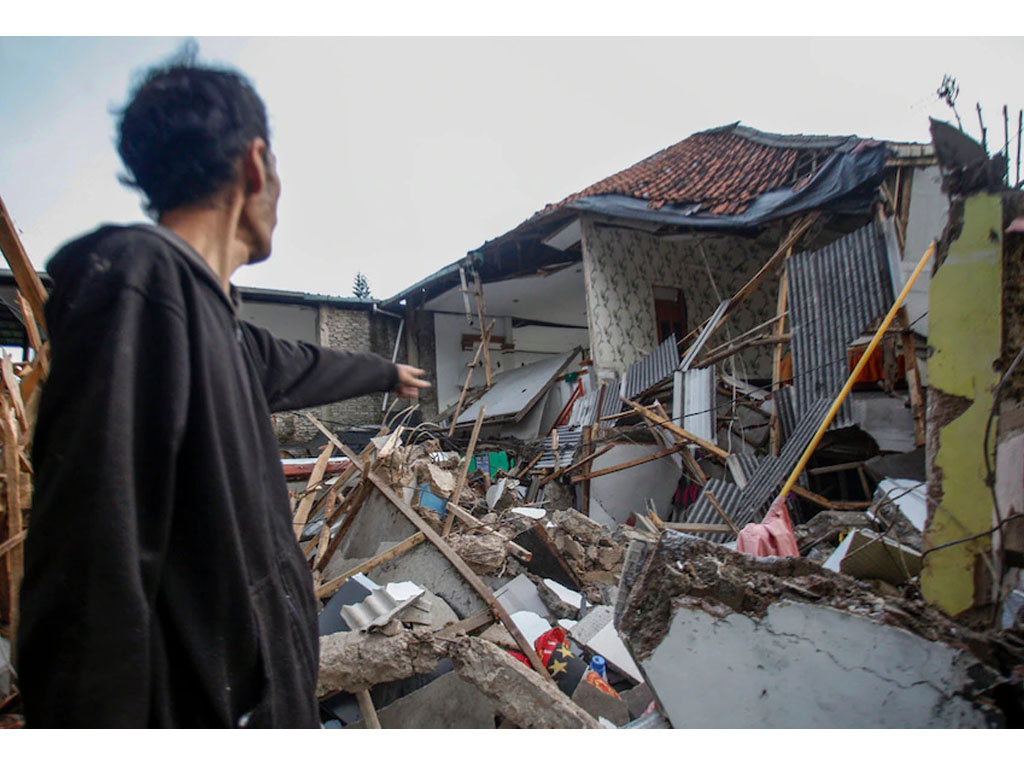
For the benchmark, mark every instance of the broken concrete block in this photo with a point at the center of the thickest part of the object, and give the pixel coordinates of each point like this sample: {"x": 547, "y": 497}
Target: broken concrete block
{"x": 638, "y": 699}
{"x": 579, "y": 526}
{"x": 864, "y": 554}
{"x": 785, "y": 643}
{"x": 561, "y": 602}
{"x": 484, "y": 553}
{"x": 442, "y": 482}
{"x": 501, "y": 637}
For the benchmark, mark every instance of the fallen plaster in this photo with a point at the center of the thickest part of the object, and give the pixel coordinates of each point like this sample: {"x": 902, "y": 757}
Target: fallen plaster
{"x": 728, "y": 640}
{"x": 351, "y": 661}
{"x": 966, "y": 336}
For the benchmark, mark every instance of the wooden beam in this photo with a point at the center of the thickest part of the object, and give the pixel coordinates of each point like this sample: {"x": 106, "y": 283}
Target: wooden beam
{"x": 12, "y": 542}
{"x": 464, "y": 468}
{"x": 635, "y": 462}
{"x": 370, "y": 719}
{"x": 774, "y": 427}
{"x": 350, "y": 506}
{"x": 299, "y": 521}
{"x": 15, "y": 560}
{"x": 460, "y": 565}
{"x": 328, "y": 588}
{"x": 721, "y": 512}
{"x": 472, "y": 624}
{"x": 485, "y": 334}
{"x": 521, "y": 472}
{"x": 31, "y": 327}
{"x": 698, "y": 527}
{"x": 678, "y": 431}
{"x": 835, "y": 468}
{"x": 759, "y": 341}
{"x": 24, "y": 273}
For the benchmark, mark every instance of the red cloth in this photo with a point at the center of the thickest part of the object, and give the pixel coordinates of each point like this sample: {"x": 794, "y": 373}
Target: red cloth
{"x": 772, "y": 536}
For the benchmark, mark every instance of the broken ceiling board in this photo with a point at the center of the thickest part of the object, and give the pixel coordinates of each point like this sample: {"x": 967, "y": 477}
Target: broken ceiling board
{"x": 870, "y": 556}
{"x": 834, "y": 295}
{"x": 705, "y": 334}
{"x": 909, "y": 496}
{"x": 517, "y": 390}
{"x": 698, "y": 402}
{"x": 887, "y": 419}
{"x": 966, "y": 336}
{"x": 651, "y": 369}
{"x": 596, "y": 632}
{"x": 520, "y": 594}
{"x": 783, "y": 643}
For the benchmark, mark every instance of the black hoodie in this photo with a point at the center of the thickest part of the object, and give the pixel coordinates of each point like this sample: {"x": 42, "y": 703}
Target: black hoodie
{"x": 163, "y": 582}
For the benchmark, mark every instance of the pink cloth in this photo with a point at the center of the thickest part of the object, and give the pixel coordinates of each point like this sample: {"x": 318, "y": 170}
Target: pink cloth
{"x": 772, "y": 536}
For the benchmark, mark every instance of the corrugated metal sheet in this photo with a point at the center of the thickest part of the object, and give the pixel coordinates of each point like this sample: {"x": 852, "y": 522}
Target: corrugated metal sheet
{"x": 783, "y": 399}
{"x": 568, "y": 441}
{"x": 699, "y": 402}
{"x": 584, "y": 410}
{"x": 611, "y": 402}
{"x": 652, "y": 369}
{"x": 742, "y": 467}
{"x": 835, "y": 294}
{"x": 750, "y": 503}
{"x": 698, "y": 345}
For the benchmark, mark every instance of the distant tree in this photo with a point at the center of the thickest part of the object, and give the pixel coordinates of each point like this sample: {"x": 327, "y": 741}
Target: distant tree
{"x": 361, "y": 286}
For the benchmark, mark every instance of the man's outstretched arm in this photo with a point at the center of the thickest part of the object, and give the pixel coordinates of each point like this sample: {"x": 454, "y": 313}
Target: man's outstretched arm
{"x": 301, "y": 375}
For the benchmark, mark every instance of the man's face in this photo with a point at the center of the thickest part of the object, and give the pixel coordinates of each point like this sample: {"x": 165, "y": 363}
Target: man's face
{"x": 264, "y": 210}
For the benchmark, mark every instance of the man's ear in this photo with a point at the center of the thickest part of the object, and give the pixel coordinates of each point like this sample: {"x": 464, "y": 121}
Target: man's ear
{"x": 254, "y": 167}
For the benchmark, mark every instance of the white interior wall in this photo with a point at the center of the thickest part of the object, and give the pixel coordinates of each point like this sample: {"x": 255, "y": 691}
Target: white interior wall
{"x": 622, "y": 493}
{"x": 926, "y": 220}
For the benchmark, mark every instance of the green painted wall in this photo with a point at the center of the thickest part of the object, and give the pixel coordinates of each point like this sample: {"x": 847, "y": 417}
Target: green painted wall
{"x": 965, "y": 332}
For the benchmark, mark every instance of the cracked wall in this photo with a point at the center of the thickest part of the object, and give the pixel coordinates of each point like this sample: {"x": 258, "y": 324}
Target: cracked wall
{"x": 966, "y": 340}
{"x": 727, "y": 640}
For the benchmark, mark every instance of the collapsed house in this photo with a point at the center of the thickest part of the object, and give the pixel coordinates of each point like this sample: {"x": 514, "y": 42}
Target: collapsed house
{"x": 638, "y": 382}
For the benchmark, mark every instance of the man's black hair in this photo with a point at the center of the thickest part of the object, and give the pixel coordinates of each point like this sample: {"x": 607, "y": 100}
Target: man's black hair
{"x": 183, "y": 130}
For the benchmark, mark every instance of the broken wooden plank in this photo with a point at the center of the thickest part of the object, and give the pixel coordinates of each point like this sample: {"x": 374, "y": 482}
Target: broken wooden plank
{"x": 12, "y": 542}
{"x": 370, "y": 719}
{"x": 774, "y": 426}
{"x": 522, "y": 472}
{"x": 464, "y": 570}
{"x": 633, "y": 463}
{"x": 721, "y": 512}
{"x": 15, "y": 560}
{"x": 35, "y": 340}
{"x": 471, "y": 624}
{"x": 24, "y": 273}
{"x": 328, "y": 588}
{"x": 699, "y": 527}
{"x": 299, "y": 521}
{"x": 464, "y": 468}
{"x": 678, "y": 431}
{"x": 485, "y": 339}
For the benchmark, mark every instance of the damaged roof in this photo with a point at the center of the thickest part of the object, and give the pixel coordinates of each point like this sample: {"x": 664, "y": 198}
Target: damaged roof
{"x": 721, "y": 170}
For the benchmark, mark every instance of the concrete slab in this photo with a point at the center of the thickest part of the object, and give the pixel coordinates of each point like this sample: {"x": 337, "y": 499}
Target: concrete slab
{"x": 447, "y": 702}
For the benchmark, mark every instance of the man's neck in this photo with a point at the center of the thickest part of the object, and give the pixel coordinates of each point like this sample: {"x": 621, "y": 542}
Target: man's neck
{"x": 213, "y": 233}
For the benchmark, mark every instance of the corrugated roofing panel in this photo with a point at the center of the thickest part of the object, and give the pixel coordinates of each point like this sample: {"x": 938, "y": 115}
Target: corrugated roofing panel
{"x": 698, "y": 345}
{"x": 699, "y": 402}
{"x": 568, "y": 441}
{"x": 835, "y": 294}
{"x": 652, "y": 369}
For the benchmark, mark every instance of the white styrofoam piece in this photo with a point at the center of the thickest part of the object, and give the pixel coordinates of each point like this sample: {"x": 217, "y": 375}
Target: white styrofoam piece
{"x": 837, "y": 556}
{"x": 909, "y": 496}
{"x": 566, "y": 595}
{"x": 534, "y": 512}
{"x": 530, "y": 624}
{"x": 404, "y": 590}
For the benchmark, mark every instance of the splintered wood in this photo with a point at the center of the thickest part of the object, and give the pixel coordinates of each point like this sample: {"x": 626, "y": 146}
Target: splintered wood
{"x": 19, "y": 397}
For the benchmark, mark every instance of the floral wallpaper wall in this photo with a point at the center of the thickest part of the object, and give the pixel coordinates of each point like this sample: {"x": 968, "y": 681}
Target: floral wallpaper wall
{"x": 621, "y": 268}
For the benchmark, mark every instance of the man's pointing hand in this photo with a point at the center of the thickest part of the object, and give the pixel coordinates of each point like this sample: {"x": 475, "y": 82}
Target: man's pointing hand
{"x": 409, "y": 385}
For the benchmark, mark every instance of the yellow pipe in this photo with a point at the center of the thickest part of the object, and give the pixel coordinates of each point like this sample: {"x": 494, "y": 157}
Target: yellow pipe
{"x": 856, "y": 373}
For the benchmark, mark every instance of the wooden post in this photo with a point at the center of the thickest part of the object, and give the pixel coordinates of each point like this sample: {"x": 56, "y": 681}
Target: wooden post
{"x": 469, "y": 376}
{"x": 775, "y": 429}
{"x": 588, "y": 434}
{"x": 15, "y": 558}
{"x": 299, "y": 521}
{"x": 370, "y": 719}
{"x": 485, "y": 334}
{"x": 24, "y": 274}
{"x": 464, "y": 469}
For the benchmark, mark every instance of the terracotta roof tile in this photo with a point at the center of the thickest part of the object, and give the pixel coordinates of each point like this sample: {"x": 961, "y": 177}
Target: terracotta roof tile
{"x": 720, "y": 170}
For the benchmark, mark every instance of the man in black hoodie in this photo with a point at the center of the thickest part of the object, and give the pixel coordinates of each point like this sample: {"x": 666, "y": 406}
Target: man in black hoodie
{"x": 163, "y": 582}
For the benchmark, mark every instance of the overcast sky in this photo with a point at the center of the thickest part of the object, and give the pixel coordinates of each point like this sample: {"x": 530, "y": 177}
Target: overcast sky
{"x": 399, "y": 155}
